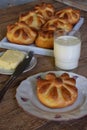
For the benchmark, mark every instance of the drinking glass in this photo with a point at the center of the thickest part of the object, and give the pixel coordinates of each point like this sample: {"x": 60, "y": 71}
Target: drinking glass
{"x": 67, "y": 48}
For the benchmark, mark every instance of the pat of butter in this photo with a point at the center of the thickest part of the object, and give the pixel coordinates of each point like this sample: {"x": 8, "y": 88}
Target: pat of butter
{"x": 10, "y": 59}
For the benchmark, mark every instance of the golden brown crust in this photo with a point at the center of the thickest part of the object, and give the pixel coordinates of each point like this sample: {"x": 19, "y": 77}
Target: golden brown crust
{"x": 45, "y": 35}
{"x": 57, "y": 92}
{"x": 32, "y": 19}
{"x": 47, "y": 10}
{"x": 56, "y": 23}
{"x": 68, "y": 14}
{"x": 50, "y": 76}
{"x": 45, "y": 19}
{"x": 44, "y": 39}
{"x": 20, "y": 33}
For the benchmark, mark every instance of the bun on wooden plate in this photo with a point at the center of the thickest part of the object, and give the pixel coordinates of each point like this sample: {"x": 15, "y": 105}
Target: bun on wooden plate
{"x": 20, "y": 33}
{"x": 57, "y": 92}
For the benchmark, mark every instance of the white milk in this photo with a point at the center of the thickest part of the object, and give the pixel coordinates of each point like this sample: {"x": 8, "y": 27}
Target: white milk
{"x": 67, "y": 52}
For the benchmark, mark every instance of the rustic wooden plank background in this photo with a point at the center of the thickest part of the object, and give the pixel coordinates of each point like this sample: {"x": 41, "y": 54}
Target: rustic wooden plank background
{"x": 80, "y": 4}
{"x": 12, "y": 117}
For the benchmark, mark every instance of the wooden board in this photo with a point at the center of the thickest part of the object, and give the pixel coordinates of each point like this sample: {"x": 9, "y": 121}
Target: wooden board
{"x": 80, "y": 4}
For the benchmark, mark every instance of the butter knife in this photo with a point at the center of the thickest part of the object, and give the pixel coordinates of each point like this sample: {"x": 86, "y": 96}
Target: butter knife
{"x": 18, "y": 71}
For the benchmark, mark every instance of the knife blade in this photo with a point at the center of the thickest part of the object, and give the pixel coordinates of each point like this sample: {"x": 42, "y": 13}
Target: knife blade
{"x": 18, "y": 71}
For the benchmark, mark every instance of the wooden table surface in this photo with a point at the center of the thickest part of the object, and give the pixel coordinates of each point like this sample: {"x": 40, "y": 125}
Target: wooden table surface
{"x": 12, "y": 117}
{"x": 80, "y": 4}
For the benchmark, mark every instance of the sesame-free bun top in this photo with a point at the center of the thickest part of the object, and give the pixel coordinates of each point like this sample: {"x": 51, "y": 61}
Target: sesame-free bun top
{"x": 57, "y": 92}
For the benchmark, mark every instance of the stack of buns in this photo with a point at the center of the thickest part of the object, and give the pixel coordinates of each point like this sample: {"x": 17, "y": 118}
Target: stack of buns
{"x": 38, "y": 25}
{"x": 57, "y": 91}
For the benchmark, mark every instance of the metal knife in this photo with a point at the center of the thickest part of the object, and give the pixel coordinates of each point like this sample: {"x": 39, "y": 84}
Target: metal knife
{"x": 18, "y": 71}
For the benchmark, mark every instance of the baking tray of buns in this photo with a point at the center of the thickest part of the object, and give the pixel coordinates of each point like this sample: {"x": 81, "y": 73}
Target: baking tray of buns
{"x": 37, "y": 50}
{"x": 34, "y": 30}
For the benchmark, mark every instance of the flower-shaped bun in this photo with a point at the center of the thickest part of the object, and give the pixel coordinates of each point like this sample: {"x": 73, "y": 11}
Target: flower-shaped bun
{"x": 20, "y": 33}
{"x": 57, "y": 92}
{"x": 68, "y": 14}
{"x": 47, "y": 10}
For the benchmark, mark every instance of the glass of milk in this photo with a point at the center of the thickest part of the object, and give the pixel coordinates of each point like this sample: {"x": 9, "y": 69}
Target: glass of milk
{"x": 67, "y": 49}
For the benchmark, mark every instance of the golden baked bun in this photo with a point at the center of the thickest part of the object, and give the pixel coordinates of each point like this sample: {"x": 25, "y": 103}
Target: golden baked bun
{"x": 44, "y": 39}
{"x": 51, "y": 24}
{"x": 57, "y": 92}
{"x": 47, "y": 10}
{"x": 32, "y": 19}
{"x": 20, "y": 33}
{"x": 68, "y": 14}
{"x": 56, "y": 23}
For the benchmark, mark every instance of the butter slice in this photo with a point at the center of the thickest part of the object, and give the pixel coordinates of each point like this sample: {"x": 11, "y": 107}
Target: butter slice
{"x": 10, "y": 59}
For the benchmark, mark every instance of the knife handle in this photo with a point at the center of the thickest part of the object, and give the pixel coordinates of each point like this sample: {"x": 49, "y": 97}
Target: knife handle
{"x": 20, "y": 68}
{"x": 6, "y": 87}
